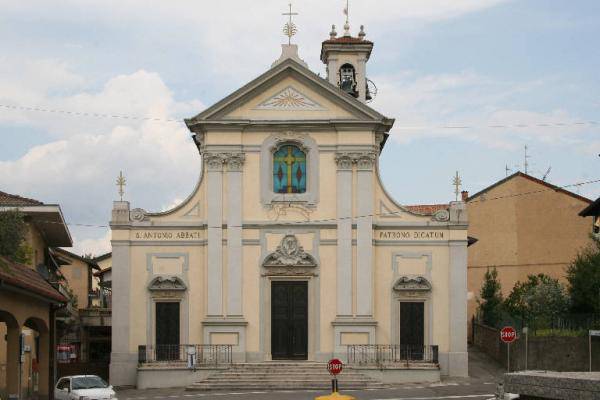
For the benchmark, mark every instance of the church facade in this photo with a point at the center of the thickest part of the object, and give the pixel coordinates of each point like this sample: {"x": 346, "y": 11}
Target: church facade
{"x": 289, "y": 247}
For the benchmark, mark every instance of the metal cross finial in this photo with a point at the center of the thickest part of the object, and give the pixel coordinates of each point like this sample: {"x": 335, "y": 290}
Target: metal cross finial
{"x": 457, "y": 182}
{"x": 290, "y": 29}
{"x": 347, "y": 11}
{"x": 121, "y": 183}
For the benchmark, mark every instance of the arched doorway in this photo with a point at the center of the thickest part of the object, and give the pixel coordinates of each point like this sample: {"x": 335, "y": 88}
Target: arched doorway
{"x": 9, "y": 354}
{"x": 35, "y": 365}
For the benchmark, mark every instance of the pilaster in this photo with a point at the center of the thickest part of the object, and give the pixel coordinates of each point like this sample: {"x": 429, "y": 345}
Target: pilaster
{"x": 344, "y": 234}
{"x": 214, "y": 168}
{"x": 457, "y": 354}
{"x": 234, "y": 163}
{"x": 123, "y": 361}
{"x": 364, "y": 233}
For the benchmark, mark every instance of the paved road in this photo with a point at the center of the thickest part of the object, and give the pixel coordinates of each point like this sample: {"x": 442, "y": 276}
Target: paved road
{"x": 484, "y": 376}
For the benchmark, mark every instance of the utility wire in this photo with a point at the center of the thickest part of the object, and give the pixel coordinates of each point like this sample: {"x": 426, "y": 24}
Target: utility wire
{"x": 181, "y": 121}
{"x": 483, "y": 199}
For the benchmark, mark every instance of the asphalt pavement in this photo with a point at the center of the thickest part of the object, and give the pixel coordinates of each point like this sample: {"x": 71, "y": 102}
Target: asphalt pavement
{"x": 484, "y": 376}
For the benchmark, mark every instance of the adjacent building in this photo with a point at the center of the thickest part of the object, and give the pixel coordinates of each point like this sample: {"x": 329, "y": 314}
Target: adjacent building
{"x": 523, "y": 226}
{"x": 30, "y": 297}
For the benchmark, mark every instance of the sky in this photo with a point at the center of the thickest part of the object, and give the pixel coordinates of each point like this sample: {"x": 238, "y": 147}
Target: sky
{"x": 469, "y": 82}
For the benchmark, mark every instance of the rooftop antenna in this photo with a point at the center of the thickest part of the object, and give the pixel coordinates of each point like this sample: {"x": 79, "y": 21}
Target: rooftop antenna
{"x": 507, "y": 170}
{"x": 547, "y": 173}
{"x": 526, "y": 163}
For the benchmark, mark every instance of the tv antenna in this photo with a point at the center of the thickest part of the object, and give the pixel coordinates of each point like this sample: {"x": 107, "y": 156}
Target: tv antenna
{"x": 526, "y": 157}
{"x": 547, "y": 173}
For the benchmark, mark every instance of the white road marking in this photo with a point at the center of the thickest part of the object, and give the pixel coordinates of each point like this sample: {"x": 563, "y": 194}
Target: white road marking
{"x": 468, "y": 396}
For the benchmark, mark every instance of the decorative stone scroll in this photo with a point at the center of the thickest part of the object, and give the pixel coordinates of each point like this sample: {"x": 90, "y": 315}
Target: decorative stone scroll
{"x": 289, "y": 254}
{"x": 137, "y": 214}
{"x": 167, "y": 284}
{"x": 441, "y": 216}
{"x": 407, "y": 285}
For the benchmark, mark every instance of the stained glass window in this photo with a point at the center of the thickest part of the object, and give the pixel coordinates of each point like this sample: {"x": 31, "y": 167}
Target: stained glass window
{"x": 289, "y": 170}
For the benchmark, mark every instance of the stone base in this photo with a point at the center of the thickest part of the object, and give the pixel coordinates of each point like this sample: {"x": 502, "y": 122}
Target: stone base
{"x": 123, "y": 369}
{"x": 352, "y": 326}
{"x": 171, "y": 377}
{"x": 214, "y": 328}
{"x": 454, "y": 364}
{"x": 390, "y": 375}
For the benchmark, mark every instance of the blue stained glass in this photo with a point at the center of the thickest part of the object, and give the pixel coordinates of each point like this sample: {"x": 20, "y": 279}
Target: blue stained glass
{"x": 289, "y": 170}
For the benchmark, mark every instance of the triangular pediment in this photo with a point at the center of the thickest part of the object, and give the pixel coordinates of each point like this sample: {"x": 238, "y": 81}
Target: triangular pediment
{"x": 288, "y": 91}
{"x": 288, "y": 99}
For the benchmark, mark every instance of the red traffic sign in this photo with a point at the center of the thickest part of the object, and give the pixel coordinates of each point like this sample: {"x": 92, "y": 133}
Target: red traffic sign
{"x": 334, "y": 366}
{"x": 508, "y": 334}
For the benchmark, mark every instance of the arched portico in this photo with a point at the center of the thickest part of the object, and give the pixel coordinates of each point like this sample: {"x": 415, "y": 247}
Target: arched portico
{"x": 13, "y": 330}
{"x": 21, "y": 312}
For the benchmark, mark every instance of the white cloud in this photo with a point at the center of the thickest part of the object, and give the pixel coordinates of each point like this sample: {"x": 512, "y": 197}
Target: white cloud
{"x": 92, "y": 245}
{"x": 78, "y": 171}
{"x": 438, "y": 106}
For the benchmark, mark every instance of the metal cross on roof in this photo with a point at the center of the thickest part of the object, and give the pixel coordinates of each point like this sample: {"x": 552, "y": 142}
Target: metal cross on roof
{"x": 457, "y": 182}
{"x": 121, "y": 183}
{"x": 290, "y": 29}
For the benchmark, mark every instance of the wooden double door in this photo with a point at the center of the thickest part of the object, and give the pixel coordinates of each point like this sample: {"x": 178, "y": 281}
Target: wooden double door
{"x": 289, "y": 320}
{"x": 167, "y": 331}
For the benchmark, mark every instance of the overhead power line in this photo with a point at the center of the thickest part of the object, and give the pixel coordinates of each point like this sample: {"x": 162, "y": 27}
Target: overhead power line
{"x": 291, "y": 223}
{"x": 564, "y": 124}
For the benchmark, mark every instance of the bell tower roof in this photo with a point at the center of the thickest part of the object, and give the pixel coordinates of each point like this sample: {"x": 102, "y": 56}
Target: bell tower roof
{"x": 345, "y": 44}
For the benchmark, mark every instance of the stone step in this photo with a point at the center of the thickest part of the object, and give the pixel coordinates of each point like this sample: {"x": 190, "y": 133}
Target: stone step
{"x": 282, "y": 376}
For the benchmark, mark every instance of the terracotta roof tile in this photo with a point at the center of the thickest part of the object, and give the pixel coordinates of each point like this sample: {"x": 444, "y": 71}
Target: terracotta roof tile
{"x": 346, "y": 39}
{"x": 427, "y": 209}
{"x": 24, "y": 277}
{"x": 13, "y": 200}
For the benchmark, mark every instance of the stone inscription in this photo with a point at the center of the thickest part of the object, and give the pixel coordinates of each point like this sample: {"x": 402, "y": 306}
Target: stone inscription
{"x": 167, "y": 235}
{"x": 410, "y": 235}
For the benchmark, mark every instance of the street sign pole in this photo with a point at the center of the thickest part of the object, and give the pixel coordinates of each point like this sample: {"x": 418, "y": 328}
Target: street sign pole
{"x": 526, "y": 332}
{"x": 508, "y": 357}
{"x": 508, "y": 335}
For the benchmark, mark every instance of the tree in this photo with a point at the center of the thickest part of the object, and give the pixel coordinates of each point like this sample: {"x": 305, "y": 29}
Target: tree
{"x": 584, "y": 279}
{"x": 490, "y": 305}
{"x": 12, "y": 237}
{"x": 540, "y": 298}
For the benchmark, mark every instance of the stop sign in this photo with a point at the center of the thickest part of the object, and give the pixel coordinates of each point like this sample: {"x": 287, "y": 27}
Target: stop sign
{"x": 334, "y": 366}
{"x": 508, "y": 334}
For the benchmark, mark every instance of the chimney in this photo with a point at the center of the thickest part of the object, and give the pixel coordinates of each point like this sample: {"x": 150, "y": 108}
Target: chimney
{"x": 464, "y": 195}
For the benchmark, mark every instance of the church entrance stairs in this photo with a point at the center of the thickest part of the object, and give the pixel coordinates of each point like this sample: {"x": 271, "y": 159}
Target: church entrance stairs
{"x": 283, "y": 376}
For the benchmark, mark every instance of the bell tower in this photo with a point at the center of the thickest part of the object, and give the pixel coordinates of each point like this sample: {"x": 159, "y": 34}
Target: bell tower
{"x": 346, "y": 59}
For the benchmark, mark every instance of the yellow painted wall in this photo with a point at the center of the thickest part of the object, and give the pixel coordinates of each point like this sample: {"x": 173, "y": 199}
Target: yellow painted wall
{"x": 523, "y": 228}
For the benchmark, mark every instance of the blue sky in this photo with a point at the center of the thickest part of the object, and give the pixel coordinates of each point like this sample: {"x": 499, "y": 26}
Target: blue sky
{"x": 474, "y": 63}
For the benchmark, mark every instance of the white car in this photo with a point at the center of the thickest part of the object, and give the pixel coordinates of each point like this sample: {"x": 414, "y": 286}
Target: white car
{"x": 83, "y": 387}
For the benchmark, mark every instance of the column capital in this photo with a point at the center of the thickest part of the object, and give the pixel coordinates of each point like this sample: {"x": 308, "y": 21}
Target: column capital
{"x": 234, "y": 161}
{"x": 344, "y": 161}
{"x": 214, "y": 161}
{"x": 365, "y": 160}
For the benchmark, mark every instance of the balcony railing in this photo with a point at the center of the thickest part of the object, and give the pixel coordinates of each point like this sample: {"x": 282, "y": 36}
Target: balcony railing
{"x": 382, "y": 355}
{"x": 201, "y": 354}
